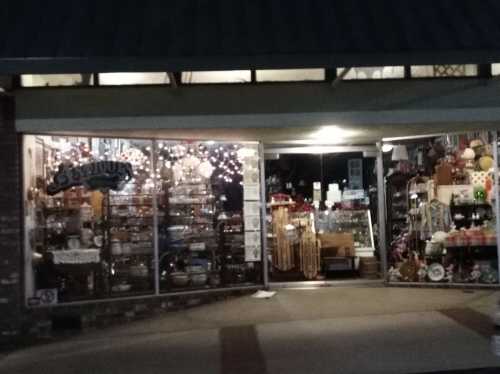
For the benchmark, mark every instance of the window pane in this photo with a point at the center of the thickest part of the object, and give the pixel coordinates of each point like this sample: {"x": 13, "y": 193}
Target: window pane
{"x": 51, "y": 80}
{"x": 89, "y": 224}
{"x": 290, "y": 75}
{"x": 495, "y": 69}
{"x": 117, "y": 79}
{"x": 377, "y": 72}
{"x": 209, "y": 215}
{"x": 232, "y": 76}
{"x": 443, "y": 71}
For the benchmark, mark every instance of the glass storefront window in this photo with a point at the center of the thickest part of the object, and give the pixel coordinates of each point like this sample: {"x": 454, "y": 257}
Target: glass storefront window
{"x": 118, "y": 79}
{"x": 495, "y": 69}
{"x": 209, "y": 214}
{"x": 443, "y": 71}
{"x": 98, "y": 211}
{"x": 376, "y": 72}
{"x": 230, "y": 76}
{"x": 290, "y": 75}
{"x": 53, "y": 80}
{"x": 441, "y": 209}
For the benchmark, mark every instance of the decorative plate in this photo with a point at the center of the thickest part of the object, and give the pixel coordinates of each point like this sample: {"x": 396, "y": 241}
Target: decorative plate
{"x": 436, "y": 272}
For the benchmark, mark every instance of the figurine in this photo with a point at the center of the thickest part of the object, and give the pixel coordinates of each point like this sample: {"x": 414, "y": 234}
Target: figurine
{"x": 394, "y": 274}
{"x": 475, "y": 274}
{"x": 422, "y": 272}
{"x": 449, "y": 273}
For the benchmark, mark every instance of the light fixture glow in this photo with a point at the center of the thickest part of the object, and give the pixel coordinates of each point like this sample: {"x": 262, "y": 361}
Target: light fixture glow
{"x": 332, "y": 133}
{"x": 387, "y": 147}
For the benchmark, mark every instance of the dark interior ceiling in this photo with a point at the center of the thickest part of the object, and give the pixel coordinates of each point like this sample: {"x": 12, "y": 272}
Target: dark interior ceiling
{"x": 182, "y": 35}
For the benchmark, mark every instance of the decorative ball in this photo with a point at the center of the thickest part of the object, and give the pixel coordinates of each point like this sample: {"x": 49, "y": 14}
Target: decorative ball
{"x": 486, "y": 163}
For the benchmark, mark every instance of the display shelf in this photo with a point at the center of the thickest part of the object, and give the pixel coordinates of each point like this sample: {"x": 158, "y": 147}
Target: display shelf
{"x": 130, "y": 217}
{"x": 195, "y": 204}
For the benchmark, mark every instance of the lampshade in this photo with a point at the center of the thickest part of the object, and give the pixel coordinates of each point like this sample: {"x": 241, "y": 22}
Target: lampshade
{"x": 468, "y": 154}
{"x": 399, "y": 153}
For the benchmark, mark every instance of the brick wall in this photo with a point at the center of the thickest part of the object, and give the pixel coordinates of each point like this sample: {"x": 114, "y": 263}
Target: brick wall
{"x": 10, "y": 223}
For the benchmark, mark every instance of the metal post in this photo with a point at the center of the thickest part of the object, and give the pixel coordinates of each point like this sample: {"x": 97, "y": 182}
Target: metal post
{"x": 263, "y": 213}
{"x": 156, "y": 262}
{"x": 382, "y": 241}
{"x": 496, "y": 192}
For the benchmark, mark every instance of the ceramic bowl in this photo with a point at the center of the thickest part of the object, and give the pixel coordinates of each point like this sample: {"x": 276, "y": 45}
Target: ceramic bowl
{"x": 198, "y": 279}
{"x": 179, "y": 279}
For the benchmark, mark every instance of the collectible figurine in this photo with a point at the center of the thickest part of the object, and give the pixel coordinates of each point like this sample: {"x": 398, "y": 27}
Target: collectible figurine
{"x": 475, "y": 274}
{"x": 422, "y": 272}
{"x": 449, "y": 273}
{"x": 394, "y": 274}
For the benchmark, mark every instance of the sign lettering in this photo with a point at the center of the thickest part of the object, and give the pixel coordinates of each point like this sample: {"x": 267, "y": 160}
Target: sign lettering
{"x": 94, "y": 176}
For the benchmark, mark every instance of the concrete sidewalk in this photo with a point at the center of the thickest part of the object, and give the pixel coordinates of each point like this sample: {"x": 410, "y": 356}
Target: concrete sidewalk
{"x": 326, "y": 330}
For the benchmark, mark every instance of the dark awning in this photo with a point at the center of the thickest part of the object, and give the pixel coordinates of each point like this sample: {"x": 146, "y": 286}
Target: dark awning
{"x": 180, "y": 35}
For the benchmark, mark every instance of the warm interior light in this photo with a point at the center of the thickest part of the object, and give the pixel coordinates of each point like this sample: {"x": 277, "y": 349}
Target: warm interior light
{"x": 387, "y": 147}
{"x": 331, "y": 135}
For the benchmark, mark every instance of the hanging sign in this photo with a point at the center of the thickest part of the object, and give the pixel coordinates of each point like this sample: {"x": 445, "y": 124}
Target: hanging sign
{"x": 94, "y": 176}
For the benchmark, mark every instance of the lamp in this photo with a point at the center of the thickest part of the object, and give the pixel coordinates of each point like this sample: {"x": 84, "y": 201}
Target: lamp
{"x": 399, "y": 153}
{"x": 469, "y": 155}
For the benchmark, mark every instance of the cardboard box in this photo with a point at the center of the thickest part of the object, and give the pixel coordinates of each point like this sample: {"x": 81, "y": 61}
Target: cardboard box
{"x": 337, "y": 244}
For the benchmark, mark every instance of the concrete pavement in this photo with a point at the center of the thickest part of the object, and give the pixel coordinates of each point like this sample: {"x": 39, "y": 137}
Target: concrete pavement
{"x": 325, "y": 330}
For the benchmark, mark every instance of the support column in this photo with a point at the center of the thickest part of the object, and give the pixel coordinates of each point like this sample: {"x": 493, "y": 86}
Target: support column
{"x": 11, "y": 299}
{"x": 382, "y": 241}
{"x": 496, "y": 190}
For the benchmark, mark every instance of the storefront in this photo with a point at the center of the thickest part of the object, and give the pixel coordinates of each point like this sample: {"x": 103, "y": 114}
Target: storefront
{"x": 131, "y": 210}
{"x": 441, "y": 196}
{"x": 116, "y": 217}
{"x": 144, "y": 177}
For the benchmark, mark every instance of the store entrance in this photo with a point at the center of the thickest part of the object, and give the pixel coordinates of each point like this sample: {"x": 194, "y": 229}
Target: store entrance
{"x": 321, "y": 214}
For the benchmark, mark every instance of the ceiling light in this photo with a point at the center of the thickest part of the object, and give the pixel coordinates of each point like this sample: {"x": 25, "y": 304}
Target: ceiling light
{"x": 387, "y": 147}
{"x": 332, "y": 135}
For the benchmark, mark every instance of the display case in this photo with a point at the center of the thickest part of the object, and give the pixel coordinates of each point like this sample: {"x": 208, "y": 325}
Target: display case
{"x": 359, "y": 224}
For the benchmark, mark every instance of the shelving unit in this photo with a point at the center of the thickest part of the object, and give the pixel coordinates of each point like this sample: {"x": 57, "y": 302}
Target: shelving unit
{"x": 397, "y": 204}
{"x": 128, "y": 242}
{"x": 188, "y": 233}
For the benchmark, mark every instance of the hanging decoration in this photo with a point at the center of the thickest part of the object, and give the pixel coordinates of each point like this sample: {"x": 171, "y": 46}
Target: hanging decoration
{"x": 203, "y": 159}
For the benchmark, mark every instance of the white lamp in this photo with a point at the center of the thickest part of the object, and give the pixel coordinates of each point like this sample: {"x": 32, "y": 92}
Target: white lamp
{"x": 399, "y": 153}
